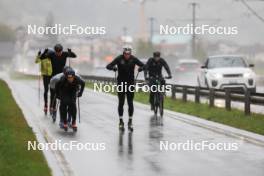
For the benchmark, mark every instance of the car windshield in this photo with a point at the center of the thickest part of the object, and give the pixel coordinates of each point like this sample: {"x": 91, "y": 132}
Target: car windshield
{"x": 220, "y": 62}
{"x": 189, "y": 65}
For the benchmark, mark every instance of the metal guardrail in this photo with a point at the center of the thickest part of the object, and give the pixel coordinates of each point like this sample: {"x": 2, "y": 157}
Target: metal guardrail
{"x": 246, "y": 97}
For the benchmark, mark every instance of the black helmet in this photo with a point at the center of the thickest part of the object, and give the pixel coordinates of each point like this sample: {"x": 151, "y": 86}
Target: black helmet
{"x": 70, "y": 72}
{"x": 58, "y": 48}
{"x": 65, "y": 69}
{"x": 156, "y": 54}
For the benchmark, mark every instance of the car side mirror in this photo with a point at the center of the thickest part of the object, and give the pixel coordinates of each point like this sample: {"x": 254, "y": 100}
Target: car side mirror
{"x": 251, "y": 65}
{"x": 203, "y": 67}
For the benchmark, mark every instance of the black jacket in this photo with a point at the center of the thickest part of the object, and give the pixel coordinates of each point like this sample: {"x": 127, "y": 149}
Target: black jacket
{"x": 58, "y": 62}
{"x": 67, "y": 92}
{"x": 126, "y": 68}
{"x": 154, "y": 68}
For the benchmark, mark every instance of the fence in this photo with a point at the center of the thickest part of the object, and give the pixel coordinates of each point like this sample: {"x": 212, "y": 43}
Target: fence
{"x": 228, "y": 95}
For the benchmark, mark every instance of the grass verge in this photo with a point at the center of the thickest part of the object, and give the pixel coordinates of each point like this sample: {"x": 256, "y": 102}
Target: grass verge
{"x": 234, "y": 118}
{"x": 15, "y": 159}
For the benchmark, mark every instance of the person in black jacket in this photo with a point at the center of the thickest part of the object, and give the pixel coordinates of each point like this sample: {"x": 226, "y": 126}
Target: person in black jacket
{"x": 58, "y": 59}
{"x": 68, "y": 88}
{"x": 153, "y": 69}
{"x": 125, "y": 66}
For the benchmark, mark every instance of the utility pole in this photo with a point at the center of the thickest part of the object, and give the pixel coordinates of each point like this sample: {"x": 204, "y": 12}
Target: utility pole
{"x": 125, "y": 31}
{"x": 194, "y": 5}
{"x": 151, "y": 19}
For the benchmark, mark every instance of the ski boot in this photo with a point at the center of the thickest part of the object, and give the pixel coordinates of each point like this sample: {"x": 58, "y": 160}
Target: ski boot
{"x": 65, "y": 127}
{"x": 121, "y": 125}
{"x": 74, "y": 127}
{"x": 130, "y": 126}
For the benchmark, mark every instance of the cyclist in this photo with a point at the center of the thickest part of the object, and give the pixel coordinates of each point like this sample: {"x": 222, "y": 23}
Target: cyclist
{"x": 46, "y": 72}
{"x": 68, "y": 88}
{"x": 58, "y": 61}
{"x": 125, "y": 66}
{"x": 153, "y": 69}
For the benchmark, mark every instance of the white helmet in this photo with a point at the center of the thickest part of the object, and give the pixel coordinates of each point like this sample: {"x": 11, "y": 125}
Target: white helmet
{"x": 127, "y": 48}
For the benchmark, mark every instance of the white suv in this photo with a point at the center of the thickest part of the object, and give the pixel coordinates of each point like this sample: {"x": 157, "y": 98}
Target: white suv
{"x": 226, "y": 71}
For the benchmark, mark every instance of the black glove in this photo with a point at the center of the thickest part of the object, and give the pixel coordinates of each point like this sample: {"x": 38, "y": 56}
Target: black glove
{"x": 140, "y": 69}
{"x": 114, "y": 69}
{"x": 58, "y": 96}
{"x": 39, "y": 53}
{"x": 69, "y": 50}
{"x": 79, "y": 94}
{"x": 46, "y": 51}
{"x": 169, "y": 77}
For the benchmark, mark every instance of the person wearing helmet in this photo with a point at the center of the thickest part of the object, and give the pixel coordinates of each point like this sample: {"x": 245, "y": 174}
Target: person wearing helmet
{"x": 125, "y": 66}
{"x": 153, "y": 69}
{"x": 54, "y": 80}
{"x": 68, "y": 88}
{"x": 58, "y": 61}
{"x": 46, "y": 72}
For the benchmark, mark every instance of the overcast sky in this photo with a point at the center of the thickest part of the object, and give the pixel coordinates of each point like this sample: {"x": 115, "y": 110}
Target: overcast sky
{"x": 115, "y": 14}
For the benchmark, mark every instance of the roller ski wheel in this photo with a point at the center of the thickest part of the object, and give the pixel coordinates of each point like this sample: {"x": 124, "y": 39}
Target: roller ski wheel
{"x": 130, "y": 127}
{"x": 121, "y": 126}
{"x": 74, "y": 129}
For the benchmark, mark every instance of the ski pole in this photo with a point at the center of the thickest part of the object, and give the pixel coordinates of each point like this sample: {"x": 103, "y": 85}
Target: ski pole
{"x": 79, "y": 110}
{"x": 39, "y": 77}
{"x": 115, "y": 78}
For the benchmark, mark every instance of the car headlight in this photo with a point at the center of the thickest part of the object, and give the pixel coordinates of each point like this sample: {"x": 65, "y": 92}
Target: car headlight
{"x": 216, "y": 75}
{"x": 247, "y": 74}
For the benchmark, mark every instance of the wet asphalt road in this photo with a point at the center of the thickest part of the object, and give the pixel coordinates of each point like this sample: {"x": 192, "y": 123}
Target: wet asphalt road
{"x": 138, "y": 153}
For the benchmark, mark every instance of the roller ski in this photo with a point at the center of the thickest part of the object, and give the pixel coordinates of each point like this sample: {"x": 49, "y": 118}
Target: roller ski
{"x": 45, "y": 110}
{"x": 121, "y": 125}
{"x": 130, "y": 126}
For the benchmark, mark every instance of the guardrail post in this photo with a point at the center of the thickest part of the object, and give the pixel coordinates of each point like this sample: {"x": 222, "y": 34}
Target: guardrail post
{"x": 184, "y": 93}
{"x": 227, "y": 100}
{"x": 197, "y": 95}
{"x": 247, "y": 102}
{"x": 211, "y": 97}
{"x": 173, "y": 92}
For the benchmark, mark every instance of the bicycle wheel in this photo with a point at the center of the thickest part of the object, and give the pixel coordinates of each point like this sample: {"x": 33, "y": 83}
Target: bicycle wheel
{"x": 156, "y": 104}
{"x": 161, "y": 105}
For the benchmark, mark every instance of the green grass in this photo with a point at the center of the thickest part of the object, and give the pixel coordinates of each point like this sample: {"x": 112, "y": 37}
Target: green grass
{"x": 234, "y": 118}
{"x": 15, "y": 159}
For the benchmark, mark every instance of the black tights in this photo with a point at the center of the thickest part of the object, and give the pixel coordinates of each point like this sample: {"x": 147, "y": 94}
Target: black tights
{"x": 71, "y": 107}
{"x": 46, "y": 82}
{"x": 121, "y": 98}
